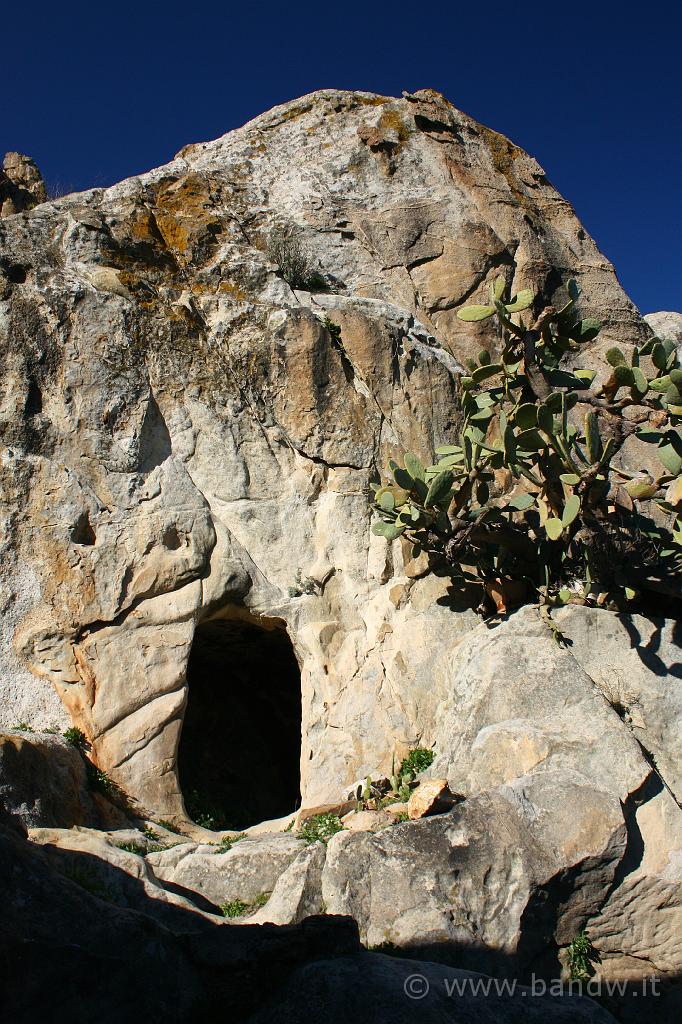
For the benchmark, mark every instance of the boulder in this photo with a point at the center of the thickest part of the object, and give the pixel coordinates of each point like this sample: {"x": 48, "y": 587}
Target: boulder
{"x": 100, "y": 866}
{"x": 375, "y": 988}
{"x": 367, "y": 821}
{"x": 243, "y": 872}
{"x": 432, "y": 796}
{"x": 666, "y": 325}
{"x": 298, "y": 890}
{"x": 43, "y": 781}
{"x": 635, "y": 663}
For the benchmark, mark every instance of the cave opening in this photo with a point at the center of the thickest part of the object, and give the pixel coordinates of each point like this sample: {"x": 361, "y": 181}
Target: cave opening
{"x": 240, "y": 746}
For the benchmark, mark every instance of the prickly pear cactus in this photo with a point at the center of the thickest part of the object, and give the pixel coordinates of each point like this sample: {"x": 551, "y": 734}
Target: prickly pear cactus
{"x": 526, "y": 503}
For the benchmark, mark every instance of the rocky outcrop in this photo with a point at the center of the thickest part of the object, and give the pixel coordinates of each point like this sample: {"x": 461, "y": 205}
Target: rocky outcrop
{"x": 189, "y": 434}
{"x": 43, "y": 781}
{"x": 248, "y": 870}
{"x": 86, "y": 934}
{"x": 666, "y": 325}
{"x": 178, "y": 422}
{"x": 21, "y": 185}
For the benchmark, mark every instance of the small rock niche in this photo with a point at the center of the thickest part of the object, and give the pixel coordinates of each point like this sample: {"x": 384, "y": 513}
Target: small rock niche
{"x": 240, "y": 746}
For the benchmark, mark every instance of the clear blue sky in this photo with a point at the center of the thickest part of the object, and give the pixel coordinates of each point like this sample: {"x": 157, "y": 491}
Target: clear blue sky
{"x": 99, "y": 91}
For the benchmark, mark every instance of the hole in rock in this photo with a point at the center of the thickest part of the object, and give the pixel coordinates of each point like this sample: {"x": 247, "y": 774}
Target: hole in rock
{"x": 240, "y": 747}
{"x": 82, "y": 531}
{"x": 16, "y": 273}
{"x": 171, "y": 539}
{"x": 34, "y": 400}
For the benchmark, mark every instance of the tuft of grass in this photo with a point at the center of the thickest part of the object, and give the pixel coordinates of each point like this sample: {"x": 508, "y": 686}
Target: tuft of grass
{"x": 235, "y": 908}
{"x": 132, "y": 848}
{"x": 227, "y": 842}
{"x": 170, "y": 827}
{"x": 22, "y": 727}
{"x": 99, "y": 781}
{"x": 204, "y": 812}
{"x": 238, "y": 908}
{"x": 402, "y": 817}
{"x": 418, "y": 760}
{"x": 149, "y": 833}
{"x": 581, "y": 955}
{"x": 320, "y": 828}
{"x": 76, "y": 737}
{"x": 333, "y": 330}
{"x": 285, "y": 249}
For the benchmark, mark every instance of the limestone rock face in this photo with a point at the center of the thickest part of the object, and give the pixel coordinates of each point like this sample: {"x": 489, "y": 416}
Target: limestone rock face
{"x": 188, "y": 441}
{"x": 183, "y": 434}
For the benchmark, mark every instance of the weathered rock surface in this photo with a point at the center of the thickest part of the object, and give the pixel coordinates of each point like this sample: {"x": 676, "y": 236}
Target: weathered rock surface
{"x": 185, "y": 439}
{"x": 97, "y": 864}
{"x": 376, "y": 988}
{"x": 298, "y": 891}
{"x": 432, "y": 796}
{"x": 251, "y": 867}
{"x": 43, "y": 781}
{"x": 666, "y": 325}
{"x": 189, "y": 422}
{"x": 637, "y": 664}
{"x": 71, "y": 953}
{"x": 21, "y": 185}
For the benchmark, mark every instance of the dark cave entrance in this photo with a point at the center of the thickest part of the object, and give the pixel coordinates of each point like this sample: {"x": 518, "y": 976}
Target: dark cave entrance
{"x": 240, "y": 747}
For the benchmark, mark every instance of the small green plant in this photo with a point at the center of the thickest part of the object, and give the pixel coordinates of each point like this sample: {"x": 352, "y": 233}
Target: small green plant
{"x": 581, "y": 956}
{"x": 416, "y": 761}
{"x": 170, "y": 827}
{"x": 149, "y": 833}
{"x": 227, "y": 842}
{"x": 400, "y": 781}
{"x": 234, "y": 908}
{"x": 22, "y": 727}
{"x": 99, "y": 781}
{"x": 204, "y": 812}
{"x": 320, "y": 828}
{"x": 333, "y": 329}
{"x": 401, "y": 817}
{"x": 76, "y": 738}
{"x": 260, "y": 900}
{"x": 286, "y": 251}
{"x": 530, "y": 501}
{"x": 290, "y": 825}
{"x": 302, "y": 585}
{"x": 132, "y": 848}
